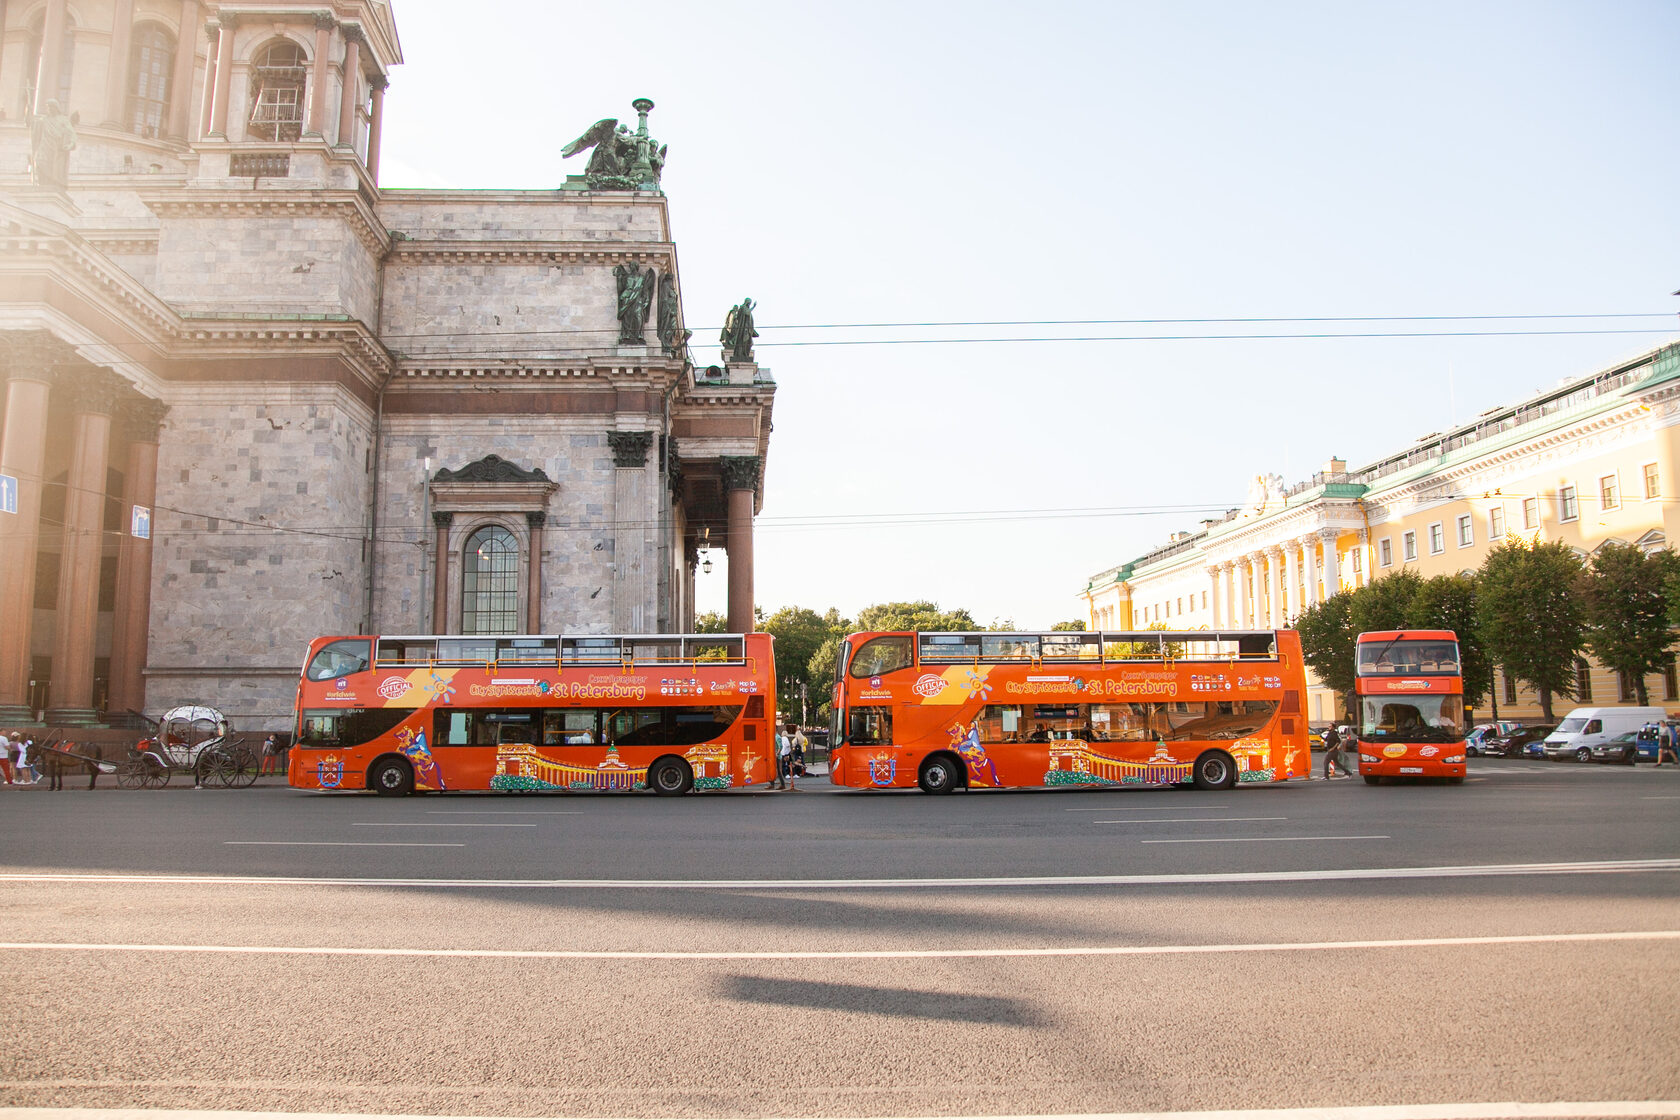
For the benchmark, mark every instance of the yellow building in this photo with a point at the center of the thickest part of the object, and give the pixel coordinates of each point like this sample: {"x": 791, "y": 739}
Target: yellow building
{"x": 1587, "y": 463}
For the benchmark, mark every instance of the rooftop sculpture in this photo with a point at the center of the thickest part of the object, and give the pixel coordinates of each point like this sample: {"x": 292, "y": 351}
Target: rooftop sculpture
{"x": 622, "y": 160}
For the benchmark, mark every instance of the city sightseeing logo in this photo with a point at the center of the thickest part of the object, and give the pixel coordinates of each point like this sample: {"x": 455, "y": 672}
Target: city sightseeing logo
{"x": 929, "y": 686}
{"x": 393, "y": 687}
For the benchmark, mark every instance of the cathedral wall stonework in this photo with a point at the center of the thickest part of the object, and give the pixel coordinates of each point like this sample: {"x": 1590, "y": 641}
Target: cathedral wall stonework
{"x": 279, "y": 264}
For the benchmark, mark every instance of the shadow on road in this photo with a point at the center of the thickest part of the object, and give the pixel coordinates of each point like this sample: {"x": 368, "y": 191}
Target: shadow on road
{"x": 900, "y": 1002}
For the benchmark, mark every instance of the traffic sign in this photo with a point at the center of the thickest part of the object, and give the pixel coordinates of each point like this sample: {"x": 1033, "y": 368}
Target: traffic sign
{"x": 8, "y": 494}
{"x": 140, "y": 525}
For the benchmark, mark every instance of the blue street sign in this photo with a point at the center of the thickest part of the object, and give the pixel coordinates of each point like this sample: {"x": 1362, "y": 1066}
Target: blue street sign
{"x": 8, "y": 494}
{"x": 141, "y": 525}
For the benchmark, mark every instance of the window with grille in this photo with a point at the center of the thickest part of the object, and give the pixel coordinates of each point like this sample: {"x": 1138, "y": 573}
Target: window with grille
{"x": 1625, "y": 692}
{"x": 1609, "y": 492}
{"x": 1531, "y": 513}
{"x": 490, "y": 583}
{"x": 1466, "y": 537}
{"x": 1496, "y": 524}
{"x": 1671, "y": 683}
{"x": 1437, "y": 539}
{"x": 151, "y": 64}
{"x": 1653, "y": 485}
{"x": 1408, "y": 544}
{"x": 1569, "y": 508}
{"x": 1583, "y": 681}
{"x": 1385, "y": 552}
{"x": 278, "y": 80}
{"x": 1510, "y": 688}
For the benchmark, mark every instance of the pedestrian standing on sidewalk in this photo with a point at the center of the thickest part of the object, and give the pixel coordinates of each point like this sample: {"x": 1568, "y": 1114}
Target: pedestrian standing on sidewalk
{"x": 270, "y": 756}
{"x": 784, "y": 757}
{"x": 1332, "y": 751}
{"x": 25, "y": 772}
{"x": 1665, "y": 744}
{"x": 6, "y": 754}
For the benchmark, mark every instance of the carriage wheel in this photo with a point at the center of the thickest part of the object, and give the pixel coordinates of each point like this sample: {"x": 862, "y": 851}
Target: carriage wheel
{"x": 216, "y": 767}
{"x": 156, "y": 776}
{"x": 244, "y": 768}
{"x": 132, "y": 774}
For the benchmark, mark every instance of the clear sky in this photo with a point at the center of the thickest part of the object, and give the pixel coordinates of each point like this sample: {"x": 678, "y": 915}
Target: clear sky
{"x": 910, "y": 162}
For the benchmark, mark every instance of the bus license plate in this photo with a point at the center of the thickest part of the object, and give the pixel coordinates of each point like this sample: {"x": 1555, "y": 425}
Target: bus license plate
{"x": 1411, "y": 769}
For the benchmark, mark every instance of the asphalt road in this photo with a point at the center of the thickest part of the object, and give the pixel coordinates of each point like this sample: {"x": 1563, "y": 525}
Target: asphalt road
{"x": 761, "y": 953}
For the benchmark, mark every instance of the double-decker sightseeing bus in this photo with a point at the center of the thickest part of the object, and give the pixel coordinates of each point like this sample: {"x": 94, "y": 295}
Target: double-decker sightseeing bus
{"x": 1069, "y": 708}
{"x": 596, "y": 712}
{"x": 1411, "y": 705}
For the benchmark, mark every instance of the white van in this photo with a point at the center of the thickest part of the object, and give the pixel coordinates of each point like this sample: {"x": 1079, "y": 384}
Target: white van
{"x": 1585, "y": 728}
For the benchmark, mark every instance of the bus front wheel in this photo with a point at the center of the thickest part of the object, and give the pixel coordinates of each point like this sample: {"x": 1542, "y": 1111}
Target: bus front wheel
{"x": 670, "y": 777}
{"x": 391, "y": 777}
{"x": 938, "y": 775}
{"x": 1215, "y": 770}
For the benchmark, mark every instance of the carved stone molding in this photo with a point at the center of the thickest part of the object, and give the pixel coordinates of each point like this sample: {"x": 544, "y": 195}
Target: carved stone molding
{"x": 229, "y": 20}
{"x": 658, "y": 254}
{"x": 442, "y": 517}
{"x": 741, "y": 472}
{"x": 94, "y": 389}
{"x": 142, "y": 417}
{"x": 630, "y": 449}
{"x": 491, "y": 468}
{"x": 536, "y": 518}
{"x": 33, "y": 355}
{"x": 324, "y": 21}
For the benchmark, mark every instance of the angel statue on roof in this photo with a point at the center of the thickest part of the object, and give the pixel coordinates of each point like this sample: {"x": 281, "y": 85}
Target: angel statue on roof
{"x": 622, "y": 160}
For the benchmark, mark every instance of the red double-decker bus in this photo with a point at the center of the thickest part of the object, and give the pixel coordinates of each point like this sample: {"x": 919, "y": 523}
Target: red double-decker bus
{"x": 668, "y": 713}
{"x": 945, "y": 711}
{"x": 1410, "y": 689}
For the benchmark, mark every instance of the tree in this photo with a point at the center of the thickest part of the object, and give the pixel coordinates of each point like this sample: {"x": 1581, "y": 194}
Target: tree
{"x": 1073, "y": 624}
{"x": 799, "y": 633}
{"x": 1327, "y": 635}
{"x": 1625, "y": 605}
{"x": 919, "y": 615}
{"x": 711, "y": 622}
{"x": 1530, "y": 615}
{"x": 1385, "y": 604}
{"x": 1449, "y": 603}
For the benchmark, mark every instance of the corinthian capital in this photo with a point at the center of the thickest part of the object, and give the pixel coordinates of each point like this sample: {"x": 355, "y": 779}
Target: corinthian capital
{"x": 630, "y": 449}
{"x": 741, "y": 472}
{"x": 141, "y": 418}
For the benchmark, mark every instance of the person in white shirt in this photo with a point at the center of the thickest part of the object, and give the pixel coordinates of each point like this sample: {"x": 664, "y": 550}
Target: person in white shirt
{"x": 6, "y": 756}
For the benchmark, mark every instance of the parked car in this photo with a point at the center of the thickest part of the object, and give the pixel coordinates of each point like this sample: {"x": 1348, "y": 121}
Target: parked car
{"x": 1585, "y": 728}
{"x": 1476, "y": 742}
{"x": 1524, "y": 742}
{"x": 1315, "y": 740}
{"x": 1624, "y": 748}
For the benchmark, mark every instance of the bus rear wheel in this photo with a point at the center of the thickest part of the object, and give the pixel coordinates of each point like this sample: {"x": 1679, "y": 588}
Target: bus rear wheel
{"x": 937, "y": 775}
{"x": 670, "y": 777}
{"x": 391, "y": 777}
{"x": 1215, "y": 770}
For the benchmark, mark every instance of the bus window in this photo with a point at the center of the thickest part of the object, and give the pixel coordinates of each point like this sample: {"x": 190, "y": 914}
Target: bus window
{"x": 340, "y": 659}
{"x": 569, "y": 727}
{"x": 882, "y": 655}
{"x": 1070, "y": 647}
{"x": 1000, "y": 723}
{"x": 946, "y": 649}
{"x": 636, "y": 727}
{"x": 347, "y": 727}
{"x": 700, "y": 725}
{"x": 870, "y": 727}
{"x": 1011, "y": 647}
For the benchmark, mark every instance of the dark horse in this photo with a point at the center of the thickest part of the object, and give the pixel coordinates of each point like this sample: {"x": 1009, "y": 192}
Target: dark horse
{"x": 57, "y": 757}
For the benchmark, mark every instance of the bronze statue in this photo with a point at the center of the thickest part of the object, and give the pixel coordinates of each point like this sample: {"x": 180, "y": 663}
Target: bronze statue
{"x": 635, "y": 300}
{"x": 738, "y": 333}
{"x": 668, "y": 313}
{"x": 622, "y": 160}
{"x": 52, "y": 136}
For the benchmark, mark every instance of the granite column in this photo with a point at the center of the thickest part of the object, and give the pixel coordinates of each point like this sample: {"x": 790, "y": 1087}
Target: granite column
{"x": 30, "y": 368}
{"x": 131, "y": 622}
{"x": 740, "y": 483}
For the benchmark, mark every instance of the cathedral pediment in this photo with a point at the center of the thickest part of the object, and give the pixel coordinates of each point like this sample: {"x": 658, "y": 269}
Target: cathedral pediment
{"x": 491, "y": 468}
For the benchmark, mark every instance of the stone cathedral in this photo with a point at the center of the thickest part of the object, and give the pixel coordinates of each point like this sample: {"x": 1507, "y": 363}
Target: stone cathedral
{"x": 251, "y": 398}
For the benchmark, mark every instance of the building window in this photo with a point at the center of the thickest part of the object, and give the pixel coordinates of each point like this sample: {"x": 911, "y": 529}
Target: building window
{"x": 1466, "y": 536}
{"x": 490, "y": 583}
{"x": 1408, "y": 545}
{"x": 1653, "y": 485}
{"x": 1625, "y": 692}
{"x": 1671, "y": 683}
{"x": 1437, "y": 539}
{"x": 1357, "y": 555}
{"x": 1531, "y": 513}
{"x": 150, "y": 66}
{"x": 1496, "y": 523}
{"x": 1568, "y": 507}
{"x": 277, "y": 83}
{"x": 1181, "y": 604}
{"x": 1204, "y": 600}
{"x": 1609, "y": 492}
{"x": 1510, "y": 688}
{"x": 1385, "y": 552}
{"x": 1583, "y": 681}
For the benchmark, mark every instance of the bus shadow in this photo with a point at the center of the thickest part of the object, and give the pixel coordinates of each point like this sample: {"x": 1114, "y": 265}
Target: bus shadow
{"x": 907, "y": 1003}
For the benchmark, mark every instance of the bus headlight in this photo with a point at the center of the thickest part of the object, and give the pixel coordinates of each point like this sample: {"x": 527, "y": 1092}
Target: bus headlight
{"x": 1369, "y": 758}
{"x": 1453, "y": 758}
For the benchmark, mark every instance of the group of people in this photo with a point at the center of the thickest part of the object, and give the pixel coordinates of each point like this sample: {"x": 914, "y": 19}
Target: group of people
{"x": 17, "y": 759}
{"x": 790, "y": 756}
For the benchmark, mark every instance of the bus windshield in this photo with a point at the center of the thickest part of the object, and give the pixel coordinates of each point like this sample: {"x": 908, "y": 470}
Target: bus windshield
{"x": 1412, "y": 719}
{"x": 1408, "y": 657}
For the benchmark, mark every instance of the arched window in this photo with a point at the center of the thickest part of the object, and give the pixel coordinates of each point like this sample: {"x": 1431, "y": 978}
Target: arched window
{"x": 490, "y": 583}
{"x": 277, "y": 82}
{"x": 66, "y": 65}
{"x": 151, "y": 64}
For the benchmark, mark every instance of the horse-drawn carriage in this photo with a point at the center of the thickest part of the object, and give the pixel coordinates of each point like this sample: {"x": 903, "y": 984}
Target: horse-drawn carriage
{"x": 192, "y": 740}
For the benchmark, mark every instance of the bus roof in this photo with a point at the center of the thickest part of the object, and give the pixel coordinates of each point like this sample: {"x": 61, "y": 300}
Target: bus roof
{"x": 1408, "y": 635}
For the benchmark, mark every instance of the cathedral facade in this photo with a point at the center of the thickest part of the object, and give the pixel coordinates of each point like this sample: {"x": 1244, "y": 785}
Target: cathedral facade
{"x": 252, "y": 398}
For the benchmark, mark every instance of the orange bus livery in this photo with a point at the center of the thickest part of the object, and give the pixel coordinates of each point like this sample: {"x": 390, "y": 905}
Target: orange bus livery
{"x": 1068, "y": 708}
{"x": 1410, "y": 689}
{"x": 669, "y": 713}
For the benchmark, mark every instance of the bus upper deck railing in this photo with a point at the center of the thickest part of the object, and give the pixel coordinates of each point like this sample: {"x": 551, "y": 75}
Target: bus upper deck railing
{"x": 1095, "y": 647}
{"x": 561, "y": 652}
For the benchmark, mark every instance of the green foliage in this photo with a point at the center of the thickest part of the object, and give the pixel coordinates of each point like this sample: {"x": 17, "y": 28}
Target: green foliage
{"x": 1327, "y": 640}
{"x": 1073, "y": 624}
{"x": 1449, "y": 603}
{"x": 919, "y": 615}
{"x": 1385, "y": 604}
{"x": 800, "y": 632}
{"x": 1626, "y": 609}
{"x": 1530, "y": 615}
{"x": 711, "y": 623}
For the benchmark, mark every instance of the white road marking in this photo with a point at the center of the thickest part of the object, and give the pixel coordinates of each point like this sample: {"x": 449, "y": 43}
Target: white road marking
{"x": 840, "y": 954}
{"x": 334, "y": 844}
{"x": 1476, "y": 1110}
{"x": 1467, "y": 871}
{"x": 1140, "y": 808}
{"x": 436, "y": 824}
{"x": 505, "y": 812}
{"x": 1188, "y": 820}
{"x": 1259, "y": 839}
{"x": 1646, "y": 797}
